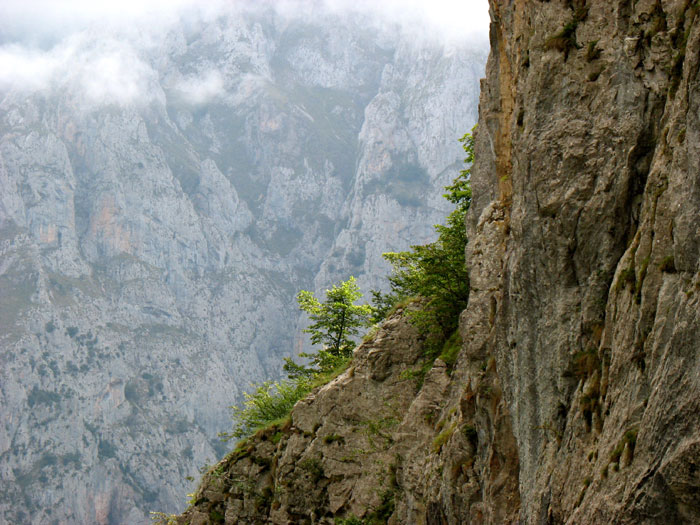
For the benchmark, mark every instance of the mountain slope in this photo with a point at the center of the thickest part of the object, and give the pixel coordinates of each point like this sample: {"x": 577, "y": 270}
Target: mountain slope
{"x": 575, "y": 396}
{"x": 154, "y": 230}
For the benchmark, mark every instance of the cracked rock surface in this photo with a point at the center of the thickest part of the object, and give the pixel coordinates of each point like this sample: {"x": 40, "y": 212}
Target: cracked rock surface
{"x": 576, "y": 394}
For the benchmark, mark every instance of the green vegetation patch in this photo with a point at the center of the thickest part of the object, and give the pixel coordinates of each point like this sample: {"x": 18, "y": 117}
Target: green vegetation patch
{"x": 42, "y": 397}
{"x": 565, "y": 40}
{"x": 450, "y": 350}
{"x": 593, "y": 52}
{"x": 314, "y": 467}
{"x": 629, "y": 438}
{"x": 434, "y": 276}
{"x": 268, "y": 404}
{"x": 334, "y": 438}
{"x": 443, "y": 437}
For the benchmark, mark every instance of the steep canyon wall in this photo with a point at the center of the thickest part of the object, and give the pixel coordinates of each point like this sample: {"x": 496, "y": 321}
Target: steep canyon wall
{"x": 575, "y": 397}
{"x": 154, "y": 230}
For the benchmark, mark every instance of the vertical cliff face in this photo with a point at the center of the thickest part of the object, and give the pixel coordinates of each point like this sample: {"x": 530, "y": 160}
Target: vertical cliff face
{"x": 576, "y": 393}
{"x": 584, "y": 254}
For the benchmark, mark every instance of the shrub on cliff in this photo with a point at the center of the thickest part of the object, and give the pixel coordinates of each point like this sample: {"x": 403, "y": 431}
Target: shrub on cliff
{"x": 436, "y": 271}
{"x": 334, "y": 324}
{"x": 270, "y": 401}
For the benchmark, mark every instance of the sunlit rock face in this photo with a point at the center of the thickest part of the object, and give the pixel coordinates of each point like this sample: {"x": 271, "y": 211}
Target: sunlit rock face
{"x": 157, "y": 219}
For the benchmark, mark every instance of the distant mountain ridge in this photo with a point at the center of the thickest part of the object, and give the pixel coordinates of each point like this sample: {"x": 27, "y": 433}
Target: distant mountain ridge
{"x": 154, "y": 231}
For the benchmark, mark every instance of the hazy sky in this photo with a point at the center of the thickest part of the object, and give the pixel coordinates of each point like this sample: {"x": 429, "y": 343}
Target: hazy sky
{"x": 94, "y": 45}
{"x": 454, "y": 18}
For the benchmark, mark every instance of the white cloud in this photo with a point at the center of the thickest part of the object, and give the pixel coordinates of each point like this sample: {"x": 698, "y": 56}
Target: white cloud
{"x": 97, "y": 71}
{"x": 26, "y": 68}
{"x": 200, "y": 89}
{"x": 445, "y": 20}
{"x": 113, "y": 74}
{"x": 95, "y": 48}
{"x": 36, "y": 19}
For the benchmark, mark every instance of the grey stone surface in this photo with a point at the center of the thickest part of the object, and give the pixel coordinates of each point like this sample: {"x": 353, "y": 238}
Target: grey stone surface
{"x": 576, "y": 395}
{"x": 150, "y": 250}
{"x": 585, "y": 177}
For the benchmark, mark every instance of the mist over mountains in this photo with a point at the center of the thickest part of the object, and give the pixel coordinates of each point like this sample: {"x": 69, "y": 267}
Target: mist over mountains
{"x": 165, "y": 190}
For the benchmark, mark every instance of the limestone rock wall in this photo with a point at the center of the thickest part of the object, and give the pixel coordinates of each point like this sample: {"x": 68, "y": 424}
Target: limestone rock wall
{"x": 576, "y": 393}
{"x": 584, "y": 254}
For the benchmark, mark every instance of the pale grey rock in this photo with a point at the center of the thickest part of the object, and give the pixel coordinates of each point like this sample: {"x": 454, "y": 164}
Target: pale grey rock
{"x": 151, "y": 247}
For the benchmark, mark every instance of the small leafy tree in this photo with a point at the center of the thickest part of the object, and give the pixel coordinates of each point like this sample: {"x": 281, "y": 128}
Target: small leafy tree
{"x": 335, "y": 323}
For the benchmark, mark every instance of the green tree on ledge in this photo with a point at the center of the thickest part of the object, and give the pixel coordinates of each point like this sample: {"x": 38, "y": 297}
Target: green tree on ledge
{"x": 335, "y": 323}
{"x": 437, "y": 271}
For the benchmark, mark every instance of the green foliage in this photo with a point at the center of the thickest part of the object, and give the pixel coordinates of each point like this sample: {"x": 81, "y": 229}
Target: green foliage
{"x": 335, "y": 323}
{"x": 460, "y": 192}
{"x": 436, "y": 273}
{"x": 385, "y": 509}
{"x": 314, "y": 467}
{"x": 383, "y": 304}
{"x": 640, "y": 281}
{"x": 338, "y": 319}
{"x": 450, "y": 350}
{"x": 630, "y": 439}
{"x": 565, "y": 40}
{"x": 627, "y": 276}
{"x": 472, "y": 435}
{"x": 351, "y": 520}
{"x": 161, "y": 518}
{"x": 443, "y": 437}
{"x": 270, "y": 401}
{"x": 332, "y": 438}
{"x": 216, "y": 516}
{"x": 379, "y": 516}
{"x": 585, "y": 363}
{"x": 593, "y": 52}
{"x": 321, "y": 362}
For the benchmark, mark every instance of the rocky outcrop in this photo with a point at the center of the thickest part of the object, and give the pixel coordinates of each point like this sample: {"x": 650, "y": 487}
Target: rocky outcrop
{"x": 379, "y": 442}
{"x": 576, "y": 393}
{"x": 584, "y": 254}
